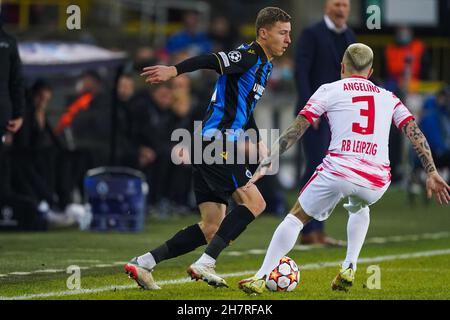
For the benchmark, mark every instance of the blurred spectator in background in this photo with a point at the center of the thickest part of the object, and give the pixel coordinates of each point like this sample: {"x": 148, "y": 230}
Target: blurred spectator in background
{"x": 151, "y": 131}
{"x": 126, "y": 147}
{"x": 33, "y": 175}
{"x": 190, "y": 38}
{"x": 12, "y": 102}
{"x": 435, "y": 125}
{"x": 86, "y": 122}
{"x": 12, "y": 93}
{"x": 180, "y": 175}
{"x": 35, "y": 149}
{"x": 221, "y": 33}
{"x": 125, "y": 88}
{"x": 282, "y": 79}
{"x": 320, "y": 49}
{"x": 145, "y": 56}
{"x": 406, "y": 60}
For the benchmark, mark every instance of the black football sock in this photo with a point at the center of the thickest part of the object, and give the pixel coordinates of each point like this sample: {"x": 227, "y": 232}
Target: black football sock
{"x": 232, "y": 226}
{"x": 184, "y": 241}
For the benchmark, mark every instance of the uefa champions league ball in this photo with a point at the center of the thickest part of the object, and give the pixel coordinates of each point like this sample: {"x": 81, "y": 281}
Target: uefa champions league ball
{"x": 285, "y": 276}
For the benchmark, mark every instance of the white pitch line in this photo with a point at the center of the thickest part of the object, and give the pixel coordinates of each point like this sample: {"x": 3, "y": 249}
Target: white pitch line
{"x": 374, "y": 240}
{"x": 49, "y": 271}
{"x": 309, "y": 266}
{"x": 83, "y": 260}
{"x": 19, "y": 273}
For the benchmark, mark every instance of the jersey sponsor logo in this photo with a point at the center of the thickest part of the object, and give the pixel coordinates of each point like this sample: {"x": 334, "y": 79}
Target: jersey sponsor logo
{"x": 357, "y": 146}
{"x": 235, "y": 56}
{"x": 259, "y": 90}
{"x": 248, "y": 174}
{"x": 4, "y": 44}
{"x": 225, "y": 60}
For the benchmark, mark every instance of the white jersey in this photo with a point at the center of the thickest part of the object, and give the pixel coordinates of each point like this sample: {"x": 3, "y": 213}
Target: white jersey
{"x": 360, "y": 116}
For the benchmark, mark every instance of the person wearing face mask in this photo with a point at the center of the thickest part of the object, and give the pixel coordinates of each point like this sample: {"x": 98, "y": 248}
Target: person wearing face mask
{"x": 320, "y": 49}
{"x": 406, "y": 58}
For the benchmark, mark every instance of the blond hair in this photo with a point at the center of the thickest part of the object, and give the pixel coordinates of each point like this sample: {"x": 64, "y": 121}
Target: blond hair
{"x": 358, "y": 57}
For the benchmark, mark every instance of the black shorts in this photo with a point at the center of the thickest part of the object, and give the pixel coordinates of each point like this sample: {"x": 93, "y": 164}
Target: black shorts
{"x": 217, "y": 182}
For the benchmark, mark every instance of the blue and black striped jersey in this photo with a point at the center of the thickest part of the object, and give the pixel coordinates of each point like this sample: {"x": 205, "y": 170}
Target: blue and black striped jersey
{"x": 244, "y": 74}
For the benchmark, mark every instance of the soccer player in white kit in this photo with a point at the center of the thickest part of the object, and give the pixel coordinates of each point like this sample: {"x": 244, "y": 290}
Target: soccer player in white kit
{"x": 356, "y": 166}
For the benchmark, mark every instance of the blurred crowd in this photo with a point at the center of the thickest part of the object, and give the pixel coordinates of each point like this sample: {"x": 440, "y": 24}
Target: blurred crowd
{"x": 46, "y": 161}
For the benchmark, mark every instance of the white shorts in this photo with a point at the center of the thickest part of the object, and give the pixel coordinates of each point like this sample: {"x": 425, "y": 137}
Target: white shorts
{"x": 323, "y": 192}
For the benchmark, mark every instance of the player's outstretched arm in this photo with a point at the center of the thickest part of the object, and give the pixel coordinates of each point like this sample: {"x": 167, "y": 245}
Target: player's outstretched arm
{"x": 159, "y": 73}
{"x": 281, "y": 145}
{"x": 434, "y": 184}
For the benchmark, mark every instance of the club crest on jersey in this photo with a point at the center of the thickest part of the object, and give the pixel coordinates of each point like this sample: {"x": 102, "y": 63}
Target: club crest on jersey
{"x": 235, "y": 56}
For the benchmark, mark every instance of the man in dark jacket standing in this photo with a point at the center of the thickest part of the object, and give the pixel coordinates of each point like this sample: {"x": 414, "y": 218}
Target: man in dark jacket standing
{"x": 320, "y": 49}
{"x": 12, "y": 99}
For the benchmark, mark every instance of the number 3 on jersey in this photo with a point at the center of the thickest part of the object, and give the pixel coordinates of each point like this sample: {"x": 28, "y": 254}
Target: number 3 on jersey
{"x": 369, "y": 113}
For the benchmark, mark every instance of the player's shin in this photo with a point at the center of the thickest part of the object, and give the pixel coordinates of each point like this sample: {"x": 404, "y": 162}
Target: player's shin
{"x": 232, "y": 226}
{"x": 283, "y": 241}
{"x": 184, "y": 241}
{"x": 357, "y": 226}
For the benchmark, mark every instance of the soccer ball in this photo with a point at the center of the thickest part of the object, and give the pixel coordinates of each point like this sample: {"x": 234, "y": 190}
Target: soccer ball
{"x": 285, "y": 277}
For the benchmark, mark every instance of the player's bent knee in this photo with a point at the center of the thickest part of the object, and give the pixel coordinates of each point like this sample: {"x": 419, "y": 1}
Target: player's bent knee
{"x": 262, "y": 206}
{"x": 300, "y": 214}
{"x": 258, "y": 207}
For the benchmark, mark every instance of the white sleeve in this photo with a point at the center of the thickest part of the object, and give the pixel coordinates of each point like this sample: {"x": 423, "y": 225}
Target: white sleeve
{"x": 401, "y": 114}
{"x": 316, "y": 105}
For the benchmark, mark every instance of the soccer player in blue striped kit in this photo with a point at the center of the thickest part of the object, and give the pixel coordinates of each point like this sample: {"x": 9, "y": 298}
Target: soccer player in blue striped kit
{"x": 243, "y": 76}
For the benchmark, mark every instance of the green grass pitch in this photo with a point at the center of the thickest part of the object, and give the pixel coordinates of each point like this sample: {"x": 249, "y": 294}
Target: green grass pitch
{"x": 411, "y": 246}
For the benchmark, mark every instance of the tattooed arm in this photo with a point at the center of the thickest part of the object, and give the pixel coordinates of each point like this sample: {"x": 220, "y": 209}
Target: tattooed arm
{"x": 289, "y": 137}
{"x": 283, "y": 143}
{"x": 420, "y": 144}
{"x": 434, "y": 184}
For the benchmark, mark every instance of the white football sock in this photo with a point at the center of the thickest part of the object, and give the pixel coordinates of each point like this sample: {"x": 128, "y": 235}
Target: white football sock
{"x": 147, "y": 261}
{"x": 283, "y": 240}
{"x": 206, "y": 259}
{"x": 357, "y": 226}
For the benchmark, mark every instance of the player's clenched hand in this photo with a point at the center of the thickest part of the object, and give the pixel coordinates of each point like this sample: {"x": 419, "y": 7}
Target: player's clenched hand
{"x": 264, "y": 166}
{"x": 437, "y": 185}
{"x": 157, "y": 74}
